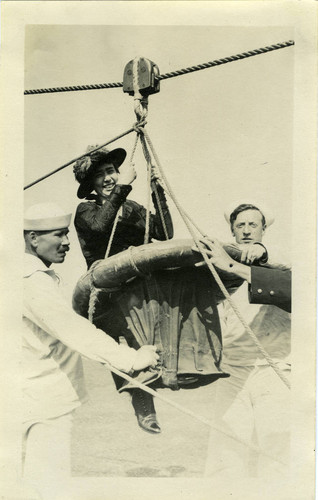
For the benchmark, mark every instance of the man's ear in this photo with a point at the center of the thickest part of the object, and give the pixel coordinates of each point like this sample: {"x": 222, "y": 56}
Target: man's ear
{"x": 33, "y": 239}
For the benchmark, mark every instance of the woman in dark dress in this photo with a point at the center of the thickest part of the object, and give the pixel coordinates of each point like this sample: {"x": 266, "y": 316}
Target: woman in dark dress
{"x": 94, "y": 222}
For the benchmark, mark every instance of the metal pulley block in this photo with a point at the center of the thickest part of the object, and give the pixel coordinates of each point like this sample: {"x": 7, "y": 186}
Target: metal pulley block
{"x": 141, "y": 76}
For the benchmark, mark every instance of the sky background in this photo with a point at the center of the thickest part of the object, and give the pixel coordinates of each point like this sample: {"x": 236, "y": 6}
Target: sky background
{"x": 222, "y": 134}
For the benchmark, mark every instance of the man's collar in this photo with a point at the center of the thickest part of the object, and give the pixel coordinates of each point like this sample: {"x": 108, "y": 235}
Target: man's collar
{"x": 32, "y": 264}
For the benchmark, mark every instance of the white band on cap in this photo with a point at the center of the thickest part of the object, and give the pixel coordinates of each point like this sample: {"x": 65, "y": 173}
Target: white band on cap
{"x": 48, "y": 223}
{"x": 46, "y": 217}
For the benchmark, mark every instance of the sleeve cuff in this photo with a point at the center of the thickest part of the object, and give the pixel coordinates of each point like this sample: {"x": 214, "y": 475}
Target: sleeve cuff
{"x": 120, "y": 193}
{"x": 161, "y": 195}
{"x": 264, "y": 259}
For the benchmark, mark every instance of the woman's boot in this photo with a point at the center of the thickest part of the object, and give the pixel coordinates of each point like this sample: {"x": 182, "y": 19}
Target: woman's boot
{"x": 145, "y": 411}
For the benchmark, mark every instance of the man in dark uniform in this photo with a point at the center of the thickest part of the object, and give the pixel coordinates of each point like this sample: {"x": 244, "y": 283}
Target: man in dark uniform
{"x": 266, "y": 285}
{"x": 253, "y": 401}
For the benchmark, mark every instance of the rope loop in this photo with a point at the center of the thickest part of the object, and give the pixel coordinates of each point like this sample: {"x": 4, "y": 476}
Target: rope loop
{"x": 92, "y": 299}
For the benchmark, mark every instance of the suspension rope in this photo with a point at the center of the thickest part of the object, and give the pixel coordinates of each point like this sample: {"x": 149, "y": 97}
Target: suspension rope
{"x": 162, "y": 218}
{"x": 132, "y": 129}
{"x": 172, "y": 74}
{"x": 110, "y": 241}
{"x": 149, "y": 165}
{"x": 153, "y": 183}
{"x": 147, "y": 227}
{"x": 214, "y": 272}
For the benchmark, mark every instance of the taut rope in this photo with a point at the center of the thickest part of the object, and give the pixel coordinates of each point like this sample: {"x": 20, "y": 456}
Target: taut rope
{"x": 213, "y": 270}
{"x": 172, "y": 74}
{"x": 132, "y": 129}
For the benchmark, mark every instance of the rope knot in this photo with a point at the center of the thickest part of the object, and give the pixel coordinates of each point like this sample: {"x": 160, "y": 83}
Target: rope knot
{"x": 140, "y": 106}
{"x": 138, "y": 127}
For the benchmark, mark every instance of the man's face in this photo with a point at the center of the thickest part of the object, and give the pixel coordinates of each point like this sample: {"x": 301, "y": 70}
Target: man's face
{"x": 248, "y": 227}
{"x": 105, "y": 179}
{"x": 51, "y": 246}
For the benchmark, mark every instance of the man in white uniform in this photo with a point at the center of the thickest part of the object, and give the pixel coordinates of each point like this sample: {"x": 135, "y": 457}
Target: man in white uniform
{"x": 54, "y": 339}
{"x": 253, "y": 403}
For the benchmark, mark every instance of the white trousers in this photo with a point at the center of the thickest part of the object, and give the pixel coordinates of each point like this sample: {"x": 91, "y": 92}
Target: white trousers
{"x": 254, "y": 405}
{"x": 47, "y": 454}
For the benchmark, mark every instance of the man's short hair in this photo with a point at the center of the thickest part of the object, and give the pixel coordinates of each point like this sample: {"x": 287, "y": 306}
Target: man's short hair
{"x": 242, "y": 208}
{"x": 38, "y": 233}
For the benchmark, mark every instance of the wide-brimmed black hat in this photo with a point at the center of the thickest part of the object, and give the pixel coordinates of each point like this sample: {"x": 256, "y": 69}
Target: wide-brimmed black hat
{"x": 86, "y": 166}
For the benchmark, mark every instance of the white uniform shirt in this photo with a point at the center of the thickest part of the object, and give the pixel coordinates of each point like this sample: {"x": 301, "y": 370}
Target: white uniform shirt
{"x": 54, "y": 337}
{"x": 270, "y": 324}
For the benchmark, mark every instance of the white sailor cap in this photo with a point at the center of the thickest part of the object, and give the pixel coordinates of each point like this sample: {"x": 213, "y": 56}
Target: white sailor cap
{"x": 260, "y": 205}
{"x": 46, "y": 217}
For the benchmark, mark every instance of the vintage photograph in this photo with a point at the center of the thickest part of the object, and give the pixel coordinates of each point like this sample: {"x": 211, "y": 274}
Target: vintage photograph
{"x": 159, "y": 219}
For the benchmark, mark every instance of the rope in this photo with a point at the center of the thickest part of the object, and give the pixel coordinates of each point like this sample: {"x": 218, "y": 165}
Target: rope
{"x": 172, "y": 74}
{"x": 162, "y": 218}
{"x": 110, "y": 241}
{"x": 147, "y": 222}
{"x": 73, "y": 88}
{"x": 191, "y": 413}
{"x": 225, "y": 60}
{"x": 92, "y": 299}
{"x": 214, "y": 272}
{"x": 132, "y": 129}
{"x": 92, "y": 303}
{"x": 202, "y": 233}
{"x": 149, "y": 163}
{"x": 117, "y": 215}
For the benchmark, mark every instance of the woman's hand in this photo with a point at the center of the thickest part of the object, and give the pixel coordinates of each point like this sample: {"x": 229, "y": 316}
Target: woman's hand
{"x": 127, "y": 174}
{"x": 146, "y": 356}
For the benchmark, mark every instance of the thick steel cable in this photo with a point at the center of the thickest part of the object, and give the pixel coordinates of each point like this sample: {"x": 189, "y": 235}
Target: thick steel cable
{"x": 172, "y": 74}
{"x": 214, "y": 272}
{"x": 74, "y": 88}
{"x": 225, "y": 60}
{"x": 79, "y": 157}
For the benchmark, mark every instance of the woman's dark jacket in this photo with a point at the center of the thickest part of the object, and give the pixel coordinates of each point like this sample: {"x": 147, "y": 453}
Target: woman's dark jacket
{"x": 94, "y": 223}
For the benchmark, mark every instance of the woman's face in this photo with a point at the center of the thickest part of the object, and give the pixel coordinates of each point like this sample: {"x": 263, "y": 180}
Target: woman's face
{"x": 105, "y": 179}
